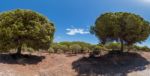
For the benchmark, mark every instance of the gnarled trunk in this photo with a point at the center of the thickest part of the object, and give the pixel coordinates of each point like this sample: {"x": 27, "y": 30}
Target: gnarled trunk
{"x": 122, "y": 45}
{"x": 19, "y": 50}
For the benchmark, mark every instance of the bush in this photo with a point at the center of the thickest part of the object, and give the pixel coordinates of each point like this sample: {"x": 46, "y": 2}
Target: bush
{"x": 75, "y": 48}
{"x": 50, "y": 50}
{"x": 145, "y": 48}
{"x": 113, "y": 46}
{"x": 96, "y": 51}
{"x": 59, "y": 51}
{"x": 55, "y": 46}
{"x": 30, "y": 50}
{"x": 64, "y": 48}
{"x": 85, "y": 50}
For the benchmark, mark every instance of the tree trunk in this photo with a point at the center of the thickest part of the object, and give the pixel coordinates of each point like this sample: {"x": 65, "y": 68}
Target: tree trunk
{"x": 19, "y": 50}
{"x": 122, "y": 45}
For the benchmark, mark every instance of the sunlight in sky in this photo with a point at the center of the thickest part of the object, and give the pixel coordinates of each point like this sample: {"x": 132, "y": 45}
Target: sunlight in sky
{"x": 145, "y": 1}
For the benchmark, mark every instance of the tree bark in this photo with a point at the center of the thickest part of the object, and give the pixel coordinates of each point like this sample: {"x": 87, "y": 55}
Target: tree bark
{"x": 19, "y": 50}
{"x": 122, "y": 45}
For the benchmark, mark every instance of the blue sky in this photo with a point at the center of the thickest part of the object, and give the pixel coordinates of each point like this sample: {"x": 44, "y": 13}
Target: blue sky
{"x": 72, "y": 18}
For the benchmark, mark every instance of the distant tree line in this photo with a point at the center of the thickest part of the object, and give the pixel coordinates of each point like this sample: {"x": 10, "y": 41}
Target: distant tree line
{"x": 77, "y": 47}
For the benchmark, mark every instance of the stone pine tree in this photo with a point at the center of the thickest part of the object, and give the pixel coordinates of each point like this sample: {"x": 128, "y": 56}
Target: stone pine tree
{"x": 25, "y": 27}
{"x": 123, "y": 27}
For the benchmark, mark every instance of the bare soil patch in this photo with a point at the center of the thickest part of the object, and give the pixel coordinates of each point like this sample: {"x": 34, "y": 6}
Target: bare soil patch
{"x": 45, "y": 64}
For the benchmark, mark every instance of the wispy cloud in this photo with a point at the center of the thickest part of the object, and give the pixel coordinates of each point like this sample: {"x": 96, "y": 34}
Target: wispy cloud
{"x": 75, "y": 31}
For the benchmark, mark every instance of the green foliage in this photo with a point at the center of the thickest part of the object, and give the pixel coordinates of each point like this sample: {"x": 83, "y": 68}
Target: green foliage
{"x": 85, "y": 47}
{"x": 65, "y": 48}
{"x": 25, "y": 27}
{"x": 75, "y": 48}
{"x": 113, "y": 46}
{"x": 97, "y": 50}
{"x": 50, "y": 50}
{"x": 30, "y": 50}
{"x": 85, "y": 50}
{"x": 121, "y": 27}
{"x": 65, "y": 43}
{"x": 145, "y": 48}
{"x": 141, "y": 48}
{"x": 55, "y": 46}
{"x": 60, "y": 51}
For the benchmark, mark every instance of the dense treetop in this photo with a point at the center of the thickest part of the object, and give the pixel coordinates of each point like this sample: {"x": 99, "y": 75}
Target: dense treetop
{"x": 25, "y": 27}
{"x": 124, "y": 27}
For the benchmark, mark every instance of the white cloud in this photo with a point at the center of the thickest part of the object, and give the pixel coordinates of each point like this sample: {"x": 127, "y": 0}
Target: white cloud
{"x": 75, "y": 31}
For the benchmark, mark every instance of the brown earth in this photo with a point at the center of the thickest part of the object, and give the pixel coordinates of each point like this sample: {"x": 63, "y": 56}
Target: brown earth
{"x": 74, "y": 65}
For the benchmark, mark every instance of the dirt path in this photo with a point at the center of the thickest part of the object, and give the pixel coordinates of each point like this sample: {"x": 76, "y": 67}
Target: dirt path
{"x": 56, "y": 65}
{"x": 60, "y": 67}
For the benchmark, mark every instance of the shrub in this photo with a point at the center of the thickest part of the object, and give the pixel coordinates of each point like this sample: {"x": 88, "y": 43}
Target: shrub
{"x": 75, "y": 48}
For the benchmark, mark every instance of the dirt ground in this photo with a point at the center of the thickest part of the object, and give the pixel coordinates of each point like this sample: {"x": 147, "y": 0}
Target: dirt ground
{"x": 73, "y": 65}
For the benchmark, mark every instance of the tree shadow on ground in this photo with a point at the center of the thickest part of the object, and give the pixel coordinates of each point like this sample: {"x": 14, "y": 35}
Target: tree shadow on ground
{"x": 22, "y": 59}
{"x": 110, "y": 64}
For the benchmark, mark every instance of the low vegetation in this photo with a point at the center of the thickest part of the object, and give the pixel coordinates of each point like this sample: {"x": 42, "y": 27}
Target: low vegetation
{"x": 78, "y": 47}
